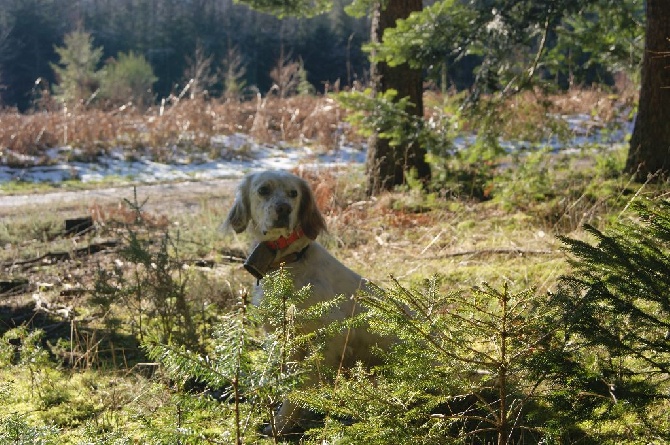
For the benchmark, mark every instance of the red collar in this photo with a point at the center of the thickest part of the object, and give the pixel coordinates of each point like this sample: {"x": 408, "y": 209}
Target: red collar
{"x": 283, "y": 243}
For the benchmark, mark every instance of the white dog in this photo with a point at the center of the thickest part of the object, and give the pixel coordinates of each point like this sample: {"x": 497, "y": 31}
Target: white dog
{"x": 278, "y": 208}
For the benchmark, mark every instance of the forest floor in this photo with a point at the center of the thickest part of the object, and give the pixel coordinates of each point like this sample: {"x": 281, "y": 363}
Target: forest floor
{"x": 62, "y": 240}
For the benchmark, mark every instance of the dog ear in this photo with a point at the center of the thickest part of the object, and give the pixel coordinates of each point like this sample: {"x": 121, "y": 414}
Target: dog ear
{"x": 238, "y": 217}
{"x": 311, "y": 219}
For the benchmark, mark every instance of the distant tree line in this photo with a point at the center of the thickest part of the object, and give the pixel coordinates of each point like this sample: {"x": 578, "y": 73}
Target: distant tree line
{"x": 167, "y": 33}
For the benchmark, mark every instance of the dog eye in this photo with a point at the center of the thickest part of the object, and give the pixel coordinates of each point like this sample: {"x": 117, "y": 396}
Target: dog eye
{"x": 264, "y": 190}
{"x": 293, "y": 193}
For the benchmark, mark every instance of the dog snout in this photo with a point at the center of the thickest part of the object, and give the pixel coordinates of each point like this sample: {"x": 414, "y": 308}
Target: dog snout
{"x": 283, "y": 209}
{"x": 283, "y": 212}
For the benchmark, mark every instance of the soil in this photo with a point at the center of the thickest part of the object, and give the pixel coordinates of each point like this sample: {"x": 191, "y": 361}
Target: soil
{"x": 44, "y": 289}
{"x": 161, "y": 198}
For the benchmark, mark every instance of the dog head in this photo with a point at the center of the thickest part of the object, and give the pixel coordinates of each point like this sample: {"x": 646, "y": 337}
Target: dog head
{"x": 274, "y": 204}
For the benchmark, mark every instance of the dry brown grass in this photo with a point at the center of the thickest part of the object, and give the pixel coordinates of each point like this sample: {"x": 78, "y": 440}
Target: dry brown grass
{"x": 595, "y": 101}
{"x": 187, "y": 124}
{"x": 190, "y": 124}
{"x": 121, "y": 215}
{"x": 301, "y": 119}
{"x": 534, "y": 115}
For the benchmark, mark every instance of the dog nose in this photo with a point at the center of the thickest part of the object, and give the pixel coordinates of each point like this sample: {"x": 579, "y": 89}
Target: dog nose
{"x": 283, "y": 209}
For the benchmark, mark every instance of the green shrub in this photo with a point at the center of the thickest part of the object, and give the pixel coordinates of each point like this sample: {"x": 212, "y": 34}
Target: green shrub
{"x": 21, "y": 349}
{"x": 249, "y": 374}
{"x": 128, "y": 79}
{"x": 232, "y": 72}
{"x": 15, "y": 430}
{"x": 483, "y": 366}
{"x": 148, "y": 285}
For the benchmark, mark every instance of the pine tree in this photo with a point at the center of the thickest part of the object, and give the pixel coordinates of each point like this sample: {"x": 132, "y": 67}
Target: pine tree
{"x": 253, "y": 370}
{"x": 387, "y": 164}
{"x": 619, "y": 293}
{"x": 648, "y": 153}
{"x": 464, "y": 370}
{"x": 76, "y": 72}
{"x": 304, "y": 88}
{"x": 199, "y": 73}
{"x": 616, "y": 312}
{"x": 232, "y": 72}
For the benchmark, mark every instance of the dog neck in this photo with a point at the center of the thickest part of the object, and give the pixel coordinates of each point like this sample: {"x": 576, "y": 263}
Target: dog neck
{"x": 293, "y": 257}
{"x": 284, "y": 242}
{"x": 271, "y": 255}
{"x": 289, "y": 249}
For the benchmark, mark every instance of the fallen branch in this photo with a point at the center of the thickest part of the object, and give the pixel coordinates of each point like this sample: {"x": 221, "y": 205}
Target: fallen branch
{"x": 492, "y": 251}
{"x": 53, "y": 257}
{"x": 13, "y": 286}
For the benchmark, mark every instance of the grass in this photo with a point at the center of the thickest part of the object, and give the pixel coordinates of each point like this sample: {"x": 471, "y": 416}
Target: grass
{"x": 188, "y": 125}
{"x": 21, "y": 187}
{"x": 111, "y": 393}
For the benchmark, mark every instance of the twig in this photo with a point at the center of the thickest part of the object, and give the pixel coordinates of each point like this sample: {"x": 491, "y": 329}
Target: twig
{"x": 492, "y": 251}
{"x": 433, "y": 241}
{"x": 637, "y": 193}
{"x": 238, "y": 366}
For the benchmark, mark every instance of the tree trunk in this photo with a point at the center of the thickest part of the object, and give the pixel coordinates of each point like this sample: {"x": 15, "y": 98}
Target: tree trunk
{"x": 649, "y": 151}
{"x": 387, "y": 166}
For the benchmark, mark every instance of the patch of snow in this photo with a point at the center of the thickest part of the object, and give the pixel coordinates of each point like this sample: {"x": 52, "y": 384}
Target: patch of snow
{"x": 239, "y": 154}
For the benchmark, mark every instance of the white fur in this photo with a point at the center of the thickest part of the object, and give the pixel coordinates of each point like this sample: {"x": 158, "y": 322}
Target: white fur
{"x": 257, "y": 200}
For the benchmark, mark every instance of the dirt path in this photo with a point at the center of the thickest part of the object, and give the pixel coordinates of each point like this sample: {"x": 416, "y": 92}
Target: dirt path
{"x": 162, "y": 198}
{"x": 61, "y": 261}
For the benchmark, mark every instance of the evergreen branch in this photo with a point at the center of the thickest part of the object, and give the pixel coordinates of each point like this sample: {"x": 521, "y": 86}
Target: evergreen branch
{"x": 477, "y": 431}
{"x": 183, "y": 364}
{"x": 489, "y": 406}
{"x": 410, "y": 323}
{"x": 588, "y": 325}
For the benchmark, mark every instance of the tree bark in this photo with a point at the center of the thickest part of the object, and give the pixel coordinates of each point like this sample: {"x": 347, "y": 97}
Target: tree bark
{"x": 649, "y": 152}
{"x": 386, "y": 165}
